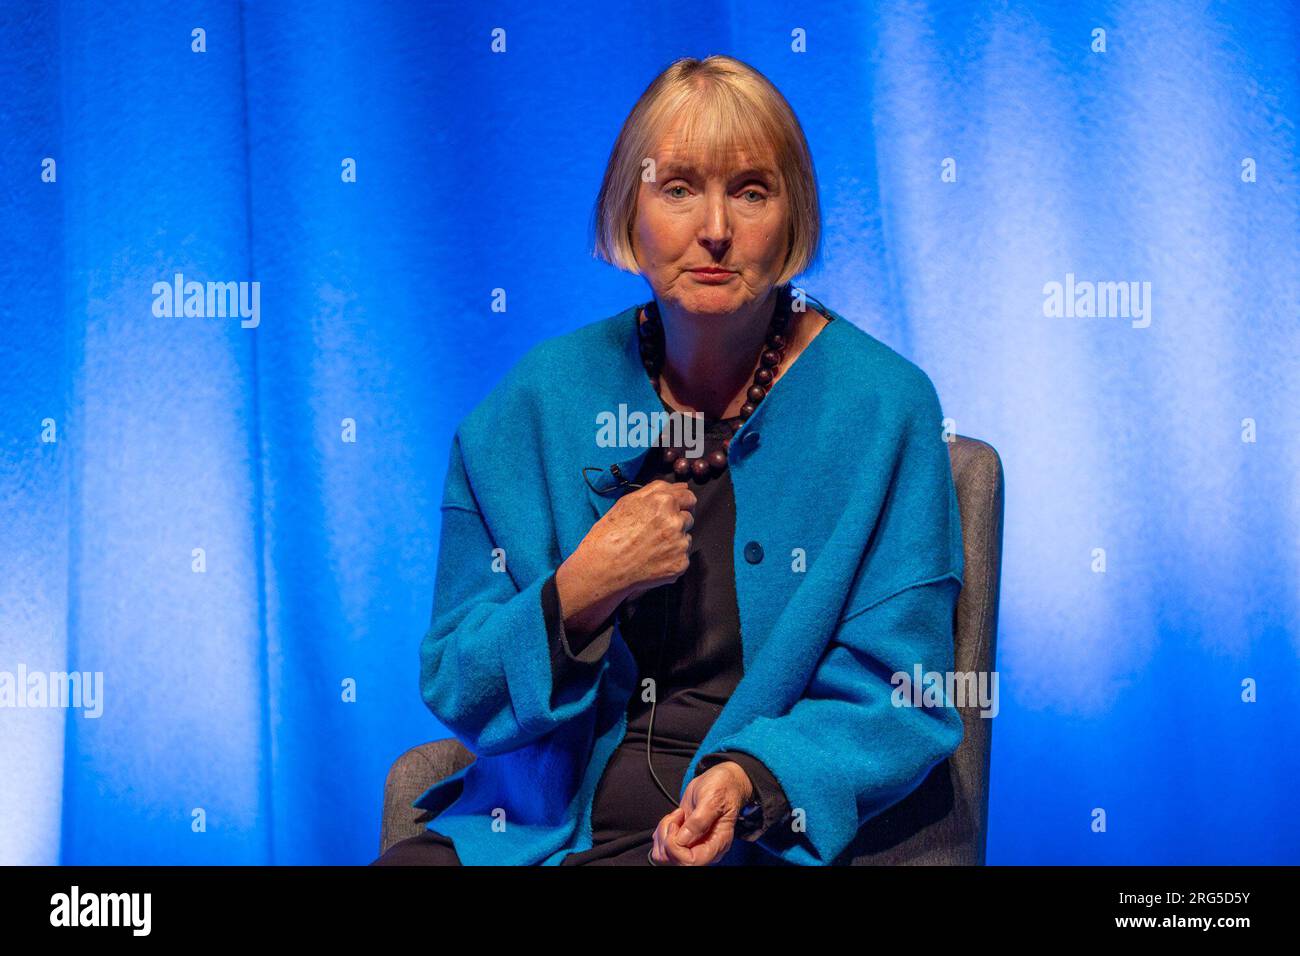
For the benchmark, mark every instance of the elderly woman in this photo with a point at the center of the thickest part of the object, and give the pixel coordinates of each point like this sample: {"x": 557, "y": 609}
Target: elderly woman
{"x": 675, "y": 648}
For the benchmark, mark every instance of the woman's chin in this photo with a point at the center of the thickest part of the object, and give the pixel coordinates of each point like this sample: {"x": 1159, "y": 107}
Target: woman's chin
{"x": 713, "y": 301}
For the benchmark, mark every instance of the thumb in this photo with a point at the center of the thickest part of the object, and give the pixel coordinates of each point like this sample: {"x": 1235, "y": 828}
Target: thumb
{"x": 699, "y": 820}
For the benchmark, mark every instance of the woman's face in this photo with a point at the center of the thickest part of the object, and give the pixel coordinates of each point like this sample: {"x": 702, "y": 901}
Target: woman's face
{"x": 735, "y": 219}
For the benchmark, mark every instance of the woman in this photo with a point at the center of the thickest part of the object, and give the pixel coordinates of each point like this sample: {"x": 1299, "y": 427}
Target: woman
{"x": 716, "y": 656}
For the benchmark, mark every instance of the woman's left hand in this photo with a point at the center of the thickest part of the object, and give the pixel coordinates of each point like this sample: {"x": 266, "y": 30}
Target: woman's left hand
{"x": 700, "y": 831}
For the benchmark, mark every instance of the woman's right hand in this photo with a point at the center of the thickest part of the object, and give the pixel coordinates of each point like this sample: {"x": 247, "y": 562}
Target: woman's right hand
{"x": 642, "y": 542}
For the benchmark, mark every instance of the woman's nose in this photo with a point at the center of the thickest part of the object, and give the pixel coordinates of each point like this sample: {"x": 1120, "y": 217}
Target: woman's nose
{"x": 716, "y": 227}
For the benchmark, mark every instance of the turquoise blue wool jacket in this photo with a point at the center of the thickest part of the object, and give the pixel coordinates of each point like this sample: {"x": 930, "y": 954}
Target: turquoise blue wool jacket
{"x": 842, "y": 480}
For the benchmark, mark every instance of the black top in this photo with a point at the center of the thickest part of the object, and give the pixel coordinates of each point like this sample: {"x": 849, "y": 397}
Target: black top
{"x": 701, "y": 650}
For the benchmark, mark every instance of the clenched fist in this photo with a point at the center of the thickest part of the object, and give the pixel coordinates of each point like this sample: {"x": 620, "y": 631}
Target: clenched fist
{"x": 642, "y": 542}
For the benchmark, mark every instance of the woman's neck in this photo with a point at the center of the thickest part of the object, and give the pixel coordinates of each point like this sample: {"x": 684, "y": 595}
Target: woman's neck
{"x": 709, "y": 361}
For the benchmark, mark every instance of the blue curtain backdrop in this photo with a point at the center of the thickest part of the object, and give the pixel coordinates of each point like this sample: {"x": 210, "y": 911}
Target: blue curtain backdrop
{"x": 185, "y": 512}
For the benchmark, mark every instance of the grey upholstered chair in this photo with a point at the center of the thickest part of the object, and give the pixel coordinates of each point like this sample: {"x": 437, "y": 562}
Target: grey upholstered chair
{"x": 942, "y": 821}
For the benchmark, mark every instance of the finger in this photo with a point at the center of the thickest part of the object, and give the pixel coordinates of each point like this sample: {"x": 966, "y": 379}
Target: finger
{"x": 705, "y": 810}
{"x": 660, "y": 836}
{"x": 667, "y": 825}
{"x": 683, "y": 495}
{"x": 715, "y": 847}
{"x": 677, "y": 854}
{"x": 682, "y": 501}
{"x": 652, "y": 488}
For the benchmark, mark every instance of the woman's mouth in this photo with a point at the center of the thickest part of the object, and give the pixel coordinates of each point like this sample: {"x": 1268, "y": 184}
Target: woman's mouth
{"x": 712, "y": 274}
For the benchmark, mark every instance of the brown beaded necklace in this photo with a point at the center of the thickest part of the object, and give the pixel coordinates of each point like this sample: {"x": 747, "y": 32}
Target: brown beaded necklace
{"x": 714, "y": 460}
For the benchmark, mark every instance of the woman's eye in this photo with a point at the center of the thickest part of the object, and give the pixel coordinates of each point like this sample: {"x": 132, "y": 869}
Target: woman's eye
{"x": 758, "y": 193}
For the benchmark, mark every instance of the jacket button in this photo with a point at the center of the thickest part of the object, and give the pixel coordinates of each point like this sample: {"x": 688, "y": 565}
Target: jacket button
{"x": 753, "y": 552}
{"x": 749, "y": 439}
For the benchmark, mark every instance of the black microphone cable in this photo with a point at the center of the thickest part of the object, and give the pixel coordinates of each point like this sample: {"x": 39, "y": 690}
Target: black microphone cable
{"x": 669, "y": 608}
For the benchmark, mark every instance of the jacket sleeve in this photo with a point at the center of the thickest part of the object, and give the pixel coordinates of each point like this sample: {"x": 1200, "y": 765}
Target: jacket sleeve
{"x": 572, "y": 655}
{"x": 486, "y": 660}
{"x": 847, "y": 750}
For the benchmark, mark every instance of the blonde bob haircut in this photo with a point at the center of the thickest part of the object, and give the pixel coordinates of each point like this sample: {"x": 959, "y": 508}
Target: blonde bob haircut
{"x": 724, "y": 107}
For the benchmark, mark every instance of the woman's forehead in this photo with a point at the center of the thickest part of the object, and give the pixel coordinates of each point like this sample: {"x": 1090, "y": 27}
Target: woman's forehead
{"x": 694, "y": 144}
{"x": 712, "y": 158}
